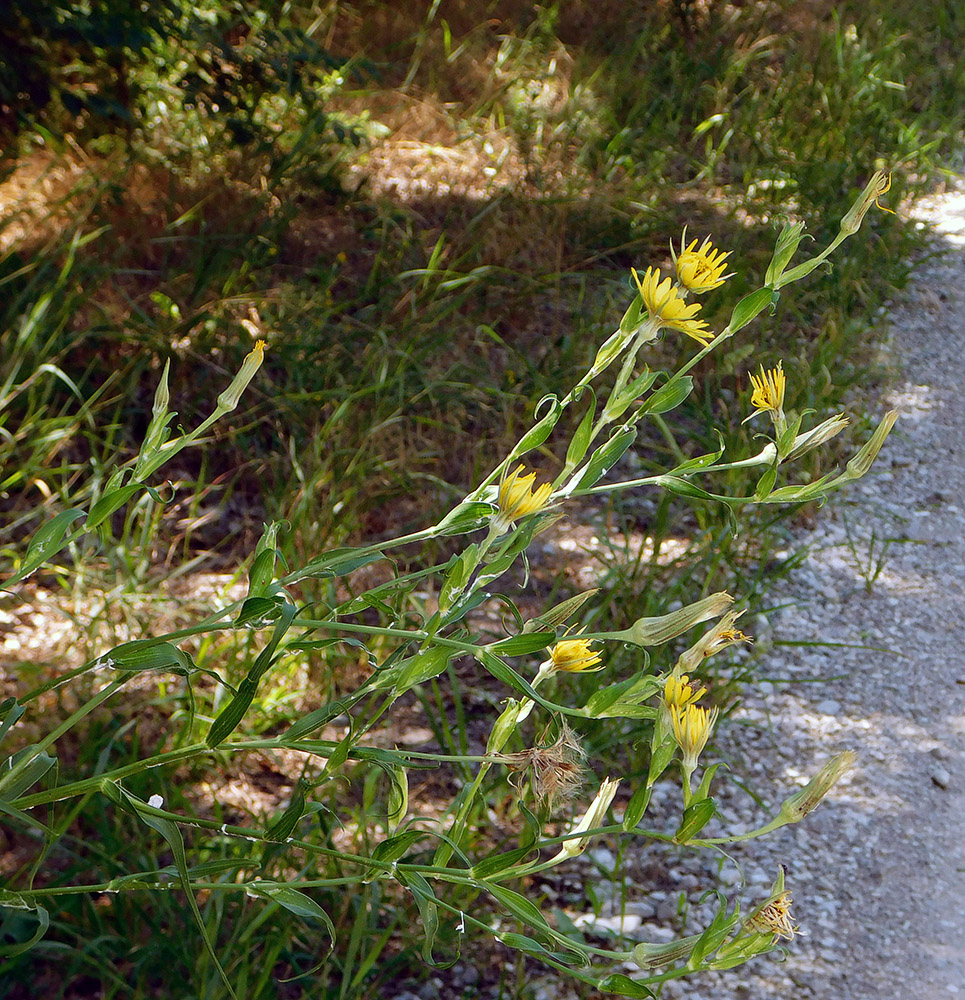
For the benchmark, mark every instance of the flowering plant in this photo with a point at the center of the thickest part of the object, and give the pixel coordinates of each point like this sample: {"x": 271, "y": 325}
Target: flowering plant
{"x": 429, "y": 853}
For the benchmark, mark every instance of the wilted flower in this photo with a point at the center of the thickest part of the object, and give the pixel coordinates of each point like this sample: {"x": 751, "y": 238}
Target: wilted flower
{"x": 591, "y": 819}
{"x": 692, "y": 727}
{"x": 556, "y": 771}
{"x": 774, "y": 917}
{"x": 517, "y": 498}
{"x": 703, "y": 269}
{"x": 769, "y": 388}
{"x": 722, "y": 635}
{"x": 824, "y": 431}
{"x": 664, "y": 303}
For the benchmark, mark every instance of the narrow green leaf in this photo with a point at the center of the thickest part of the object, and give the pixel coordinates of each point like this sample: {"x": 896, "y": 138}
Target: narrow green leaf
{"x": 47, "y": 541}
{"x": 605, "y": 457}
{"x": 637, "y": 807}
{"x": 496, "y": 864}
{"x": 669, "y": 396}
{"x": 540, "y": 431}
{"x": 13, "y": 907}
{"x": 765, "y": 485}
{"x": 517, "y": 904}
{"x": 522, "y": 644}
{"x": 749, "y": 307}
{"x": 624, "y": 986}
{"x": 232, "y": 714}
{"x": 394, "y": 848}
{"x": 581, "y": 439}
{"x": 696, "y": 816}
{"x": 428, "y": 909}
{"x": 170, "y": 832}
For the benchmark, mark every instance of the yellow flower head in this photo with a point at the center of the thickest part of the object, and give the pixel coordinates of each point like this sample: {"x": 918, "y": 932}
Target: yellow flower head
{"x": 517, "y": 498}
{"x": 692, "y": 727}
{"x": 664, "y": 303}
{"x": 768, "y": 389}
{"x": 774, "y": 917}
{"x": 679, "y": 692}
{"x": 703, "y": 269}
{"x": 575, "y": 655}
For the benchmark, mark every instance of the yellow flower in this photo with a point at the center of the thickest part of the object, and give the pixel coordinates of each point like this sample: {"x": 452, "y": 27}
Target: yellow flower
{"x": 703, "y": 269}
{"x": 774, "y": 917}
{"x": 517, "y": 498}
{"x": 768, "y": 389}
{"x": 665, "y": 304}
{"x": 575, "y": 655}
{"x": 692, "y": 727}
{"x": 679, "y": 692}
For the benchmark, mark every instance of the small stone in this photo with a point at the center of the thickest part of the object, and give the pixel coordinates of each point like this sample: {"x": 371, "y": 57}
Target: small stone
{"x": 828, "y": 707}
{"x": 941, "y": 777}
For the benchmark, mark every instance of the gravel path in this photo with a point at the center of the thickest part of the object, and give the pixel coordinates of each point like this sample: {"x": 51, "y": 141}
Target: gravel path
{"x": 878, "y": 871}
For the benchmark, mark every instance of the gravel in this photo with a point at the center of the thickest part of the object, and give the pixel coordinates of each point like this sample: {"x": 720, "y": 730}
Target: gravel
{"x": 878, "y": 871}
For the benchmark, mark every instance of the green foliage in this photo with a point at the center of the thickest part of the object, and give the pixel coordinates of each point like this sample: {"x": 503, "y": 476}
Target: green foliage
{"x": 419, "y": 336}
{"x": 404, "y": 848}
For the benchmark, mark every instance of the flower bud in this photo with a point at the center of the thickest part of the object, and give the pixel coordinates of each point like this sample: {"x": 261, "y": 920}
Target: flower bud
{"x": 875, "y": 188}
{"x": 798, "y": 805}
{"x": 228, "y": 400}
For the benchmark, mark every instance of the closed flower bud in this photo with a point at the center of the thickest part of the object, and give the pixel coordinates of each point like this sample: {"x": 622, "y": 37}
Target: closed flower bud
{"x": 798, "y": 805}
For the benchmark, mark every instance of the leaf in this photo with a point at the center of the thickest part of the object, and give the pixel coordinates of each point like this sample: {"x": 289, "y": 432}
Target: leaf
{"x": 660, "y": 759}
{"x": 617, "y": 406}
{"x": 232, "y": 714}
{"x": 604, "y": 458}
{"x": 540, "y": 431}
{"x": 259, "y": 612}
{"x": 520, "y": 907}
{"x": 13, "y": 906}
{"x": 147, "y": 654}
{"x": 696, "y": 816}
{"x": 294, "y": 901}
{"x": 559, "y": 613}
{"x": 398, "y": 800}
{"x": 765, "y": 485}
{"x": 421, "y": 667}
{"x": 262, "y": 570}
{"x": 32, "y": 773}
{"x": 168, "y": 829}
{"x": 669, "y": 396}
{"x": 338, "y": 562}
{"x": 114, "y": 500}
{"x": 522, "y": 644}
{"x": 498, "y": 863}
{"x": 637, "y": 807}
{"x": 580, "y": 441}
{"x": 394, "y": 848}
{"x": 11, "y": 711}
{"x": 749, "y": 307}
{"x": 47, "y": 541}
{"x": 281, "y": 829}
{"x": 465, "y": 518}
{"x": 428, "y": 909}
{"x": 624, "y": 986}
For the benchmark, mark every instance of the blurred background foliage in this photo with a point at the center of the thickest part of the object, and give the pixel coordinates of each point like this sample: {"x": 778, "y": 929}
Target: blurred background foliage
{"x": 429, "y": 210}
